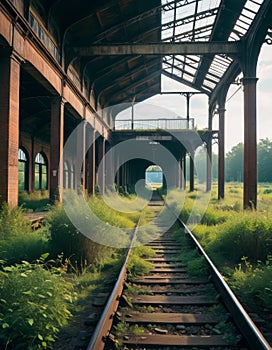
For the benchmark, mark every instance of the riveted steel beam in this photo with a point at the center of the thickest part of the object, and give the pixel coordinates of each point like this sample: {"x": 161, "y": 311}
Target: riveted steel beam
{"x": 191, "y": 48}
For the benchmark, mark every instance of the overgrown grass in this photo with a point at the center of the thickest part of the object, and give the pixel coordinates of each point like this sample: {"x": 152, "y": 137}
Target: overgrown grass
{"x": 36, "y": 296}
{"x": 35, "y": 201}
{"x": 137, "y": 266}
{"x": 17, "y": 241}
{"x": 231, "y": 235}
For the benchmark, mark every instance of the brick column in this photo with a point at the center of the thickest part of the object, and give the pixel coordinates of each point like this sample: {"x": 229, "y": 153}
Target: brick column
{"x": 80, "y": 151}
{"x": 56, "y": 149}
{"x": 9, "y": 131}
{"x": 101, "y": 165}
{"x": 250, "y": 143}
{"x": 90, "y": 141}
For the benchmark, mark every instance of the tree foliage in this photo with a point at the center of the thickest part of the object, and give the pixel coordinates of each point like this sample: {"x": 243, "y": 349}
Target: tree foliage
{"x": 235, "y": 162}
{"x": 265, "y": 160}
{"x": 201, "y": 166}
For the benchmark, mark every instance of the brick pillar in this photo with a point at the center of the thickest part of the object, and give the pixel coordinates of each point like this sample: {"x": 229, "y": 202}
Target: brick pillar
{"x": 9, "y": 131}
{"x": 80, "y": 152}
{"x": 250, "y": 143}
{"x": 221, "y": 154}
{"x": 56, "y": 149}
{"x": 109, "y": 179}
{"x": 90, "y": 141}
{"x": 101, "y": 165}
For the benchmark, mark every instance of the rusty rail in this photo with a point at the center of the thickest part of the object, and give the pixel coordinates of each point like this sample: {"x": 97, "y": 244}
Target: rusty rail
{"x": 104, "y": 325}
{"x": 248, "y": 329}
{"x": 244, "y": 323}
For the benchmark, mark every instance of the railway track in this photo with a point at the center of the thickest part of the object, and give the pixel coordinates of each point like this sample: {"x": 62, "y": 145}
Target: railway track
{"x": 168, "y": 309}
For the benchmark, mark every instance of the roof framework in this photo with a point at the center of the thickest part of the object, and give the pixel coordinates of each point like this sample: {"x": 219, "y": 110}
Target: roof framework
{"x": 181, "y": 39}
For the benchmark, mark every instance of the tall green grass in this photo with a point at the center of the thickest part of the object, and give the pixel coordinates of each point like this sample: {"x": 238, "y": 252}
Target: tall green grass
{"x": 239, "y": 242}
{"x": 17, "y": 241}
{"x": 35, "y": 201}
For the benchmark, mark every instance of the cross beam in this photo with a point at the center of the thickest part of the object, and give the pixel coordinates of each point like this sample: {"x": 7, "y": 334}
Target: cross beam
{"x": 182, "y": 48}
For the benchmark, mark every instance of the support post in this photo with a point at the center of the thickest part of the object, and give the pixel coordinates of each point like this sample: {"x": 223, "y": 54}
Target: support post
{"x": 221, "y": 153}
{"x": 184, "y": 171}
{"x": 101, "y": 165}
{"x": 9, "y": 131}
{"x": 81, "y": 156}
{"x": 250, "y": 143}
{"x": 56, "y": 149}
{"x": 209, "y": 154}
{"x": 192, "y": 170}
{"x": 90, "y": 140}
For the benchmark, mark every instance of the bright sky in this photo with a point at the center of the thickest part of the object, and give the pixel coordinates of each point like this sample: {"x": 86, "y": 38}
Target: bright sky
{"x": 163, "y": 106}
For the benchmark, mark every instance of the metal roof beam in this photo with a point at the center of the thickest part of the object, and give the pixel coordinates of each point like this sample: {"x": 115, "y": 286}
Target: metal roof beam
{"x": 184, "y": 48}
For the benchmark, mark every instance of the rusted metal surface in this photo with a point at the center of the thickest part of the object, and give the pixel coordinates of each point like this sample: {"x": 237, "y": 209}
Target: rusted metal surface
{"x": 249, "y": 330}
{"x": 104, "y": 325}
{"x": 169, "y": 298}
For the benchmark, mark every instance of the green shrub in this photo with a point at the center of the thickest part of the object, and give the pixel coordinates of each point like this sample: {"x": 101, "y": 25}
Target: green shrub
{"x": 12, "y": 222}
{"x": 213, "y": 217}
{"x": 137, "y": 266}
{"x": 29, "y": 246}
{"x": 244, "y": 235}
{"x": 254, "y": 283}
{"x": 67, "y": 240}
{"x": 36, "y": 201}
{"x": 197, "y": 267}
{"x": 34, "y": 305}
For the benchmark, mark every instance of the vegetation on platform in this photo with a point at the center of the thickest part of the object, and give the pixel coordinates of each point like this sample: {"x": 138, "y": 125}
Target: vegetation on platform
{"x": 45, "y": 275}
{"x": 35, "y": 201}
{"x": 239, "y": 242}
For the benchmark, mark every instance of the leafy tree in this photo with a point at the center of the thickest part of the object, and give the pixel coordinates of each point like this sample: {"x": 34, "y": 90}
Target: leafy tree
{"x": 235, "y": 163}
{"x": 265, "y": 160}
{"x": 201, "y": 166}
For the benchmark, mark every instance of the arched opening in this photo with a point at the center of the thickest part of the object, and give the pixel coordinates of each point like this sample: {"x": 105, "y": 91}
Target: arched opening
{"x": 66, "y": 176}
{"x": 154, "y": 177}
{"x": 40, "y": 172}
{"x": 23, "y": 166}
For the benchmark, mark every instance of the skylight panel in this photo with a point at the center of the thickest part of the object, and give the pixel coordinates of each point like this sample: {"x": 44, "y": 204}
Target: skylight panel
{"x": 209, "y": 84}
{"x": 245, "y": 19}
{"x": 188, "y": 77}
{"x": 206, "y": 5}
{"x": 212, "y": 78}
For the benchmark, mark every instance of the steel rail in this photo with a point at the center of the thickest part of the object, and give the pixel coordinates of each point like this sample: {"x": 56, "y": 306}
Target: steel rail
{"x": 247, "y": 327}
{"x": 104, "y": 325}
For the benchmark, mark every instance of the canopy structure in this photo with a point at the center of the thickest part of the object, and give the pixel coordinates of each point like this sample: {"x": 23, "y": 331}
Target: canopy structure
{"x": 70, "y": 60}
{"x": 123, "y": 46}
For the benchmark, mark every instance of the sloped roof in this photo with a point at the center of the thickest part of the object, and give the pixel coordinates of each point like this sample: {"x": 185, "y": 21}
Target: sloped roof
{"x": 122, "y": 77}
